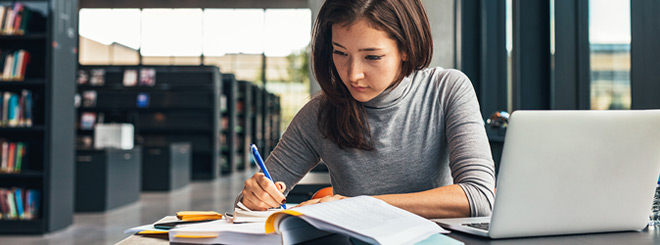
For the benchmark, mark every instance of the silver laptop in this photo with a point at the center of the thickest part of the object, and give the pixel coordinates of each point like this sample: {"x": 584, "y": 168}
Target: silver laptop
{"x": 568, "y": 172}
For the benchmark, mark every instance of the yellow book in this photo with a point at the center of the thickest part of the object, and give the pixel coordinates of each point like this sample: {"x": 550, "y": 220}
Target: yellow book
{"x": 162, "y": 226}
{"x": 198, "y": 215}
{"x": 151, "y": 232}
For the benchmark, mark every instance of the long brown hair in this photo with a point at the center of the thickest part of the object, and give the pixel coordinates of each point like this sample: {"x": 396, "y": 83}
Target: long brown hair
{"x": 341, "y": 118}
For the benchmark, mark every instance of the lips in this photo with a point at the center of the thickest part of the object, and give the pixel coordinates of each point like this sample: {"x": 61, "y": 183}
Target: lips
{"x": 358, "y": 88}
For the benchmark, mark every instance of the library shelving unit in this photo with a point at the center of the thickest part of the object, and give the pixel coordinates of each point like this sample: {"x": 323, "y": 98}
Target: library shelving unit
{"x": 228, "y": 122}
{"x": 276, "y": 120}
{"x": 256, "y": 119}
{"x": 244, "y": 125}
{"x": 169, "y": 104}
{"x": 49, "y": 37}
{"x": 265, "y": 125}
{"x": 271, "y": 121}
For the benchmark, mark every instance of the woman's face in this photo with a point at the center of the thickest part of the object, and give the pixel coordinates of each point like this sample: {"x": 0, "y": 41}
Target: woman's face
{"x": 367, "y": 59}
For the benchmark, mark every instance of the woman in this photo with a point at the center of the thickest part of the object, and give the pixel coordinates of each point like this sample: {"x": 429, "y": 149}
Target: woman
{"x": 384, "y": 125}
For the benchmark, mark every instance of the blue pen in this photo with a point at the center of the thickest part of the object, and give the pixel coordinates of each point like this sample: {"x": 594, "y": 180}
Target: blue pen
{"x": 262, "y": 166}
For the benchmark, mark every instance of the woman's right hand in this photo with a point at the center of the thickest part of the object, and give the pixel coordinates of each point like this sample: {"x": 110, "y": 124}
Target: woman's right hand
{"x": 260, "y": 194}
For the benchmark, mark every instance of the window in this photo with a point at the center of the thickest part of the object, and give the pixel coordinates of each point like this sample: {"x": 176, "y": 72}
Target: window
{"x": 109, "y": 36}
{"x": 232, "y": 39}
{"x": 609, "y": 45}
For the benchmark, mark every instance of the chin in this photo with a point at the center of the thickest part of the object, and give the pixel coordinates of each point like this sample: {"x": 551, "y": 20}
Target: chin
{"x": 362, "y": 98}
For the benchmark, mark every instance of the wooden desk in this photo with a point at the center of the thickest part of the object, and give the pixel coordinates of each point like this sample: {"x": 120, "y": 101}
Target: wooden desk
{"x": 646, "y": 236}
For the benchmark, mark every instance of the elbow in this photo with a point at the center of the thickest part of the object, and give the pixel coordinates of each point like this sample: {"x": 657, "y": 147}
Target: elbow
{"x": 480, "y": 199}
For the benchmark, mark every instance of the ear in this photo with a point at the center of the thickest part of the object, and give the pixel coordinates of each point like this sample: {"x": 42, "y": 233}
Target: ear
{"x": 404, "y": 56}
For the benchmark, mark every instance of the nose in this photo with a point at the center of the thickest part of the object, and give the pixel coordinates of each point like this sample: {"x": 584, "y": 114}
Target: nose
{"x": 355, "y": 72}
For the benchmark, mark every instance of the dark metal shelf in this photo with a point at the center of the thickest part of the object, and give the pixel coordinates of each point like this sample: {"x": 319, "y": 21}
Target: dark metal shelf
{"x": 148, "y": 109}
{"x": 172, "y": 131}
{"x": 35, "y": 226}
{"x": 21, "y": 175}
{"x": 37, "y": 128}
{"x": 23, "y": 83}
{"x": 28, "y": 36}
{"x": 157, "y": 87}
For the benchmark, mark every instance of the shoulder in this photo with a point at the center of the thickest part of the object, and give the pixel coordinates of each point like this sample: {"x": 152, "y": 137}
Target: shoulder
{"x": 445, "y": 81}
{"x": 446, "y": 77}
{"x": 309, "y": 112}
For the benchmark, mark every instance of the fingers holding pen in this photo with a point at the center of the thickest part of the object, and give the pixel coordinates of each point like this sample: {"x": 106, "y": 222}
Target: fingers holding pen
{"x": 276, "y": 191}
{"x": 280, "y": 186}
{"x": 260, "y": 193}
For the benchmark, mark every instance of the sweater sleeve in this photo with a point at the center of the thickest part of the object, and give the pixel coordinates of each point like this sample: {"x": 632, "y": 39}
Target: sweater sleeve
{"x": 297, "y": 152}
{"x": 471, "y": 162}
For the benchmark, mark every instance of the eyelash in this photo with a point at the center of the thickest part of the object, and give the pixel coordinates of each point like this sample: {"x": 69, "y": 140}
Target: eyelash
{"x": 339, "y": 52}
{"x": 368, "y": 57}
{"x": 374, "y": 57}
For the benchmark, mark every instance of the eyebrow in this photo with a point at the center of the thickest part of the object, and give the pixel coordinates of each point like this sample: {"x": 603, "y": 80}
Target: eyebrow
{"x": 362, "y": 49}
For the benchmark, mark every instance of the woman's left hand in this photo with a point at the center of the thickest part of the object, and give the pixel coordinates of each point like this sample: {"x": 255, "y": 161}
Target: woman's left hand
{"x": 320, "y": 200}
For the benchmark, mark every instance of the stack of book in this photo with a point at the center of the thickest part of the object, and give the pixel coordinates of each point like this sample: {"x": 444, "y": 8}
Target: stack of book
{"x": 15, "y": 109}
{"x": 13, "y": 64}
{"x": 19, "y": 204}
{"x": 14, "y": 19}
{"x": 12, "y": 156}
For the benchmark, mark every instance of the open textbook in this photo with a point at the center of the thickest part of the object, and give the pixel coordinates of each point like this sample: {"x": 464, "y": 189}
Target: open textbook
{"x": 364, "y": 218}
{"x": 243, "y": 214}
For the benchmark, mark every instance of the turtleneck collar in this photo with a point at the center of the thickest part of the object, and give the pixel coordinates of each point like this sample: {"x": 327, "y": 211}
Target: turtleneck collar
{"x": 390, "y": 96}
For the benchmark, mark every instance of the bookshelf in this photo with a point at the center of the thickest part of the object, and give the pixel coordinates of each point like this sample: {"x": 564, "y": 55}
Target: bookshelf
{"x": 276, "y": 120}
{"x": 181, "y": 104}
{"x": 45, "y": 177}
{"x": 271, "y": 121}
{"x": 244, "y": 123}
{"x": 228, "y": 122}
{"x": 256, "y": 118}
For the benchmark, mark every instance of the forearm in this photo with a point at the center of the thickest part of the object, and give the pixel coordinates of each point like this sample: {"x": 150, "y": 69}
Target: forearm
{"x": 442, "y": 202}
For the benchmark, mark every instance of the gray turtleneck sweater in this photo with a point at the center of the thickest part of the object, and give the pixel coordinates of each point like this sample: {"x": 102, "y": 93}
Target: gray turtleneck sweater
{"x": 427, "y": 133}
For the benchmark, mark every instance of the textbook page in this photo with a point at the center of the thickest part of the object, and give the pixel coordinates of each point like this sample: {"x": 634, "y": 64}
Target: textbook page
{"x": 243, "y": 215}
{"x": 368, "y": 219}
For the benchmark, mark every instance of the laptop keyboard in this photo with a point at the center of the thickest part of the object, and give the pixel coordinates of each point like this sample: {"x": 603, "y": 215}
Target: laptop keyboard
{"x": 482, "y": 226}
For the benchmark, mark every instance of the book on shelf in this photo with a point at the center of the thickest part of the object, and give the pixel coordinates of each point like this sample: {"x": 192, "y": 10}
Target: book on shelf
{"x": 97, "y": 77}
{"x": 87, "y": 120}
{"x": 89, "y": 98}
{"x": 84, "y": 142}
{"x": 12, "y": 156}
{"x": 13, "y": 64}
{"x": 16, "y": 19}
{"x": 147, "y": 77}
{"x": 19, "y": 203}
{"x": 142, "y": 100}
{"x": 16, "y": 109}
{"x": 224, "y": 122}
{"x": 223, "y": 103}
{"x": 82, "y": 78}
{"x": 240, "y": 107}
{"x": 362, "y": 218}
{"x": 130, "y": 78}
{"x": 77, "y": 101}
{"x": 27, "y": 116}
